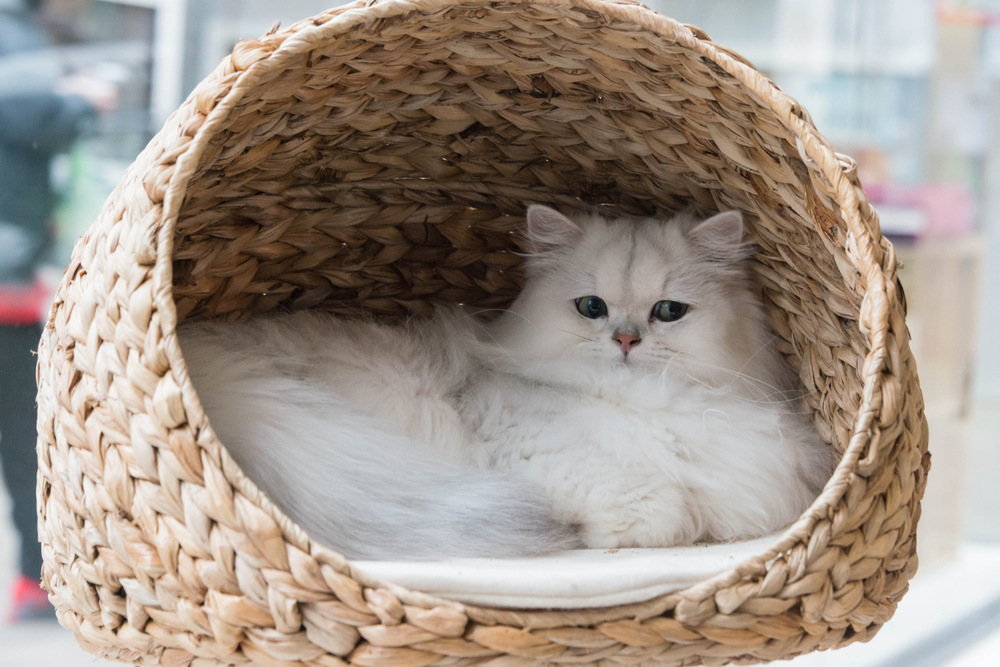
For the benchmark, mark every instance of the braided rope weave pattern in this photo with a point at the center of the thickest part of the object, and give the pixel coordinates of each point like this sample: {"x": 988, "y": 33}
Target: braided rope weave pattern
{"x": 377, "y": 158}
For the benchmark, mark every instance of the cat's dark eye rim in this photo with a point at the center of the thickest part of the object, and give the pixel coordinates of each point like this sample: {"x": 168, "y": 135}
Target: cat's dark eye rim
{"x": 591, "y": 307}
{"x": 669, "y": 311}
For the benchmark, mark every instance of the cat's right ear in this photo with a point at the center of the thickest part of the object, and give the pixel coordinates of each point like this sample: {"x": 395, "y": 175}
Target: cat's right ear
{"x": 721, "y": 237}
{"x": 548, "y": 229}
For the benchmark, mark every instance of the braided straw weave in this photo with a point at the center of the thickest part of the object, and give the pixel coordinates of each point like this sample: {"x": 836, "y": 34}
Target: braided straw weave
{"x": 378, "y": 157}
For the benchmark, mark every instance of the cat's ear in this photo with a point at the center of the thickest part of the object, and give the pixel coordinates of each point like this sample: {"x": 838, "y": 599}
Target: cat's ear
{"x": 722, "y": 237}
{"x": 549, "y": 229}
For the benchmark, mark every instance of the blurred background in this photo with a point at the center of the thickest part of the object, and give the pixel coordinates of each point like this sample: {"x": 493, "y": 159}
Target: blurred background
{"x": 909, "y": 88}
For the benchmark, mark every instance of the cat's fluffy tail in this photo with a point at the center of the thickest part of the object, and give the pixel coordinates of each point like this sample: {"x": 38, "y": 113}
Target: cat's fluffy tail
{"x": 372, "y": 493}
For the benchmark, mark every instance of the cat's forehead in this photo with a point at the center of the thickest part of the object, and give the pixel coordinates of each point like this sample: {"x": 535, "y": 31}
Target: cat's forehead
{"x": 637, "y": 259}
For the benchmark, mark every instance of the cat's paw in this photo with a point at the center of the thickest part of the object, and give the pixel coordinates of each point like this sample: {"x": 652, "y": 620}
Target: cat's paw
{"x": 639, "y": 516}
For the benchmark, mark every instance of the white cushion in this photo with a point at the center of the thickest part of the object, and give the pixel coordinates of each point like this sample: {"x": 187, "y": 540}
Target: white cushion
{"x": 571, "y": 580}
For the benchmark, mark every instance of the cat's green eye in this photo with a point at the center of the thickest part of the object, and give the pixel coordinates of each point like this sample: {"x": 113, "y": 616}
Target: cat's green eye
{"x": 670, "y": 311}
{"x": 592, "y": 307}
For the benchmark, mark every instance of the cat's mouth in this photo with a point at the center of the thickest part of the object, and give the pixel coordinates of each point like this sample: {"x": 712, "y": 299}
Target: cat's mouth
{"x": 629, "y": 361}
{"x": 639, "y": 362}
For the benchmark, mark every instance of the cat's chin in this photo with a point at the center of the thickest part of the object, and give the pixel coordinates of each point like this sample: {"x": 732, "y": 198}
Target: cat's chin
{"x": 630, "y": 366}
{"x": 638, "y": 364}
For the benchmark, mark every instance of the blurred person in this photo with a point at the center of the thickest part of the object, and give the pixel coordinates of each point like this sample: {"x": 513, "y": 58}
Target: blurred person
{"x": 42, "y": 112}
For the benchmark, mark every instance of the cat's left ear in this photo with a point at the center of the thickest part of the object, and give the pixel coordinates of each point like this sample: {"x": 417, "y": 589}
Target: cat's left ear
{"x": 722, "y": 236}
{"x": 548, "y": 229}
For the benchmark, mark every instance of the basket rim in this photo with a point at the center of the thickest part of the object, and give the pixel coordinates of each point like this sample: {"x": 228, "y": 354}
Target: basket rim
{"x": 863, "y": 252}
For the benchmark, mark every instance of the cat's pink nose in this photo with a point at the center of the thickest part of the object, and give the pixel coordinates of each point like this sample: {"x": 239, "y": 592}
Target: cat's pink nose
{"x": 626, "y": 341}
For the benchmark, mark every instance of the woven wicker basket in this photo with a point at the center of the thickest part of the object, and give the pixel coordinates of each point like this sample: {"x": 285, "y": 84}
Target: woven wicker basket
{"x": 378, "y": 157}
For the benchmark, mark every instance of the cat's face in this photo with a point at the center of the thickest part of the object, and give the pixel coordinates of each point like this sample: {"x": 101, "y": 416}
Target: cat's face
{"x": 644, "y": 294}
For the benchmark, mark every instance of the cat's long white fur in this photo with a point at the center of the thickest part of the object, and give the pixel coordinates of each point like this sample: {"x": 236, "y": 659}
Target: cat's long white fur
{"x": 334, "y": 419}
{"x": 454, "y": 437}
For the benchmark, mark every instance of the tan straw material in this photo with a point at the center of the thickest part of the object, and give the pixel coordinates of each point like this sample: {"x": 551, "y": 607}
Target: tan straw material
{"x": 378, "y": 158}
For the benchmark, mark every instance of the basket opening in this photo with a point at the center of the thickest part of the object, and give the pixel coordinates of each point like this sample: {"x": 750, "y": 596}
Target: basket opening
{"x": 387, "y": 180}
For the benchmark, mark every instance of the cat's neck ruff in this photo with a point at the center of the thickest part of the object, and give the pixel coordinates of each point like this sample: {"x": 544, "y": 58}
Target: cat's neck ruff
{"x": 615, "y": 381}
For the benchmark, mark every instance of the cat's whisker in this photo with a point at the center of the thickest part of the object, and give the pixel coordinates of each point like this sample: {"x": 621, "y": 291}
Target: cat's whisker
{"x": 506, "y": 352}
{"x": 704, "y": 416}
{"x": 768, "y": 401}
{"x": 666, "y": 369}
{"x": 741, "y": 399}
{"x": 760, "y": 349}
{"x": 571, "y": 333}
{"x": 748, "y": 378}
{"x": 507, "y": 311}
{"x": 480, "y": 326}
{"x": 535, "y": 326}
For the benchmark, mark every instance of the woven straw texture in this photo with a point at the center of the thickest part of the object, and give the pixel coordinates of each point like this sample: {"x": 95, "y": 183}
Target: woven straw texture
{"x": 378, "y": 157}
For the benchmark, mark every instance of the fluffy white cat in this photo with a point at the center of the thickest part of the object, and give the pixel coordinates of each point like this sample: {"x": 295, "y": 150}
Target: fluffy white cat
{"x": 630, "y": 397}
{"x": 635, "y": 382}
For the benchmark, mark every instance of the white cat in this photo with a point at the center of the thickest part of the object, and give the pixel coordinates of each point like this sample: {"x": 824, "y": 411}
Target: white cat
{"x": 631, "y": 396}
{"x": 635, "y": 382}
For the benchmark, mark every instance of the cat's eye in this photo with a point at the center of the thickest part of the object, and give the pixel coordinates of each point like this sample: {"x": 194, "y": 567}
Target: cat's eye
{"x": 670, "y": 311}
{"x": 592, "y": 307}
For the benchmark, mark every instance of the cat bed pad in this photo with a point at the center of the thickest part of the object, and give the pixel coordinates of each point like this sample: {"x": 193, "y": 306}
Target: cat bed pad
{"x": 581, "y": 579}
{"x": 376, "y": 159}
